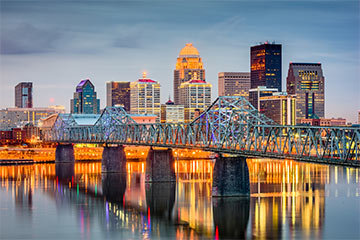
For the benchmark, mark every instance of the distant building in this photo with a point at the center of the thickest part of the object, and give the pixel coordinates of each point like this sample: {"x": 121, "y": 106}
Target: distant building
{"x": 118, "y": 93}
{"x": 307, "y": 82}
{"x": 144, "y": 118}
{"x": 280, "y": 108}
{"x": 145, "y": 97}
{"x": 234, "y": 84}
{"x": 58, "y": 108}
{"x": 85, "y": 101}
{"x": 171, "y": 113}
{"x": 195, "y": 95}
{"x": 332, "y": 122}
{"x": 24, "y": 95}
{"x": 265, "y": 65}
{"x": 261, "y": 91}
{"x": 19, "y": 117}
{"x": 188, "y": 63}
{"x": 359, "y": 117}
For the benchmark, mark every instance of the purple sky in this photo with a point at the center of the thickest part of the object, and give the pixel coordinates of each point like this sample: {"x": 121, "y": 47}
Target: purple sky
{"x": 55, "y": 44}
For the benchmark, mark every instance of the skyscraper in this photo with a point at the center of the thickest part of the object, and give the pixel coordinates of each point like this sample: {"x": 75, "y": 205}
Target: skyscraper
{"x": 118, "y": 93}
{"x": 195, "y": 95}
{"x": 171, "y": 113}
{"x": 256, "y": 93}
{"x": 23, "y": 95}
{"x": 265, "y": 64}
{"x": 85, "y": 100}
{"x": 234, "y": 84}
{"x": 145, "y": 97}
{"x": 306, "y": 81}
{"x": 279, "y": 107}
{"x": 188, "y": 63}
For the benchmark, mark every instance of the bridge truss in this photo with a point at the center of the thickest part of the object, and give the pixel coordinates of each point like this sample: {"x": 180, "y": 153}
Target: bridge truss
{"x": 230, "y": 125}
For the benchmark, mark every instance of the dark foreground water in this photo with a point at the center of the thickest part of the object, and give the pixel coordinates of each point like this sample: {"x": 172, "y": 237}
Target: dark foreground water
{"x": 288, "y": 200}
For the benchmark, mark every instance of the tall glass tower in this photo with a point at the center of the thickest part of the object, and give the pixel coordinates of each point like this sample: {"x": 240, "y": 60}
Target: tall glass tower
{"x": 85, "y": 100}
{"x": 265, "y": 63}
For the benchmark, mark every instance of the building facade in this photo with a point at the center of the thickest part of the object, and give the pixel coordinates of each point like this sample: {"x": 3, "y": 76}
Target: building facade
{"x": 234, "y": 84}
{"x": 85, "y": 101}
{"x": 24, "y": 95}
{"x": 265, "y": 65}
{"x": 118, "y": 93}
{"x": 195, "y": 95}
{"x": 145, "y": 97}
{"x": 280, "y": 108}
{"x": 16, "y": 117}
{"x": 261, "y": 91}
{"x": 307, "y": 82}
{"x": 188, "y": 63}
{"x": 171, "y": 113}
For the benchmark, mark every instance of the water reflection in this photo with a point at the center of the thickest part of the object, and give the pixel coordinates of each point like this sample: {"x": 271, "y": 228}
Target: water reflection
{"x": 287, "y": 201}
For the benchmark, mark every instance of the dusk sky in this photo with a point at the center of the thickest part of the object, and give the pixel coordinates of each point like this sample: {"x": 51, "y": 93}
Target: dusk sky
{"x": 55, "y": 44}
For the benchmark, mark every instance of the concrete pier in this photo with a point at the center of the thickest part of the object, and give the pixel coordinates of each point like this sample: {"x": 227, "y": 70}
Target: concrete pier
{"x": 231, "y": 177}
{"x": 64, "y": 153}
{"x": 113, "y": 159}
{"x": 160, "y": 166}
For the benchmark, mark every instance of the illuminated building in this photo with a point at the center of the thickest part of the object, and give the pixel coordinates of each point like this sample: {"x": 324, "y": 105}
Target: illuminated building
{"x": 188, "y": 63}
{"x": 280, "y": 108}
{"x": 171, "y": 113}
{"x": 23, "y": 95}
{"x": 58, "y": 108}
{"x": 324, "y": 122}
{"x": 18, "y": 117}
{"x": 234, "y": 84}
{"x": 118, "y": 93}
{"x": 265, "y": 64}
{"x": 85, "y": 101}
{"x": 256, "y": 93}
{"x": 195, "y": 95}
{"x": 306, "y": 81}
{"x": 145, "y": 97}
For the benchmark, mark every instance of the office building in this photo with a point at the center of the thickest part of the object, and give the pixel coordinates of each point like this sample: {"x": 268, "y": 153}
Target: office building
{"x": 188, "y": 63}
{"x": 85, "y": 101}
{"x": 171, "y": 113}
{"x": 265, "y": 65}
{"x": 118, "y": 93}
{"x": 16, "y": 117}
{"x": 234, "y": 84}
{"x": 23, "y": 95}
{"x": 279, "y": 107}
{"x": 261, "y": 91}
{"x": 195, "y": 95}
{"x": 145, "y": 97}
{"x": 307, "y": 82}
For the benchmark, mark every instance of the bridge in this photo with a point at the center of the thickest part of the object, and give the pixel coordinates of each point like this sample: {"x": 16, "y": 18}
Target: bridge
{"x": 231, "y": 125}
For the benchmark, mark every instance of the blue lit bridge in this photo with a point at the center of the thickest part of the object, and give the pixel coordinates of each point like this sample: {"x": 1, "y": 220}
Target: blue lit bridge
{"x": 231, "y": 125}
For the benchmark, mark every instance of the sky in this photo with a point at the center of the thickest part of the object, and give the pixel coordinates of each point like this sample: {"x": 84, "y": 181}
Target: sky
{"x": 55, "y": 44}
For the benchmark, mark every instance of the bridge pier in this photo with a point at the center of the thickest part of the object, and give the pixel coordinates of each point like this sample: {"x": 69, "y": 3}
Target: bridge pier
{"x": 230, "y": 177}
{"x": 160, "y": 166}
{"x": 113, "y": 159}
{"x": 64, "y": 153}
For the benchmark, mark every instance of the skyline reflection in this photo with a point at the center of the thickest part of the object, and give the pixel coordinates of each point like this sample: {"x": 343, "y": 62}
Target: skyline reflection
{"x": 288, "y": 199}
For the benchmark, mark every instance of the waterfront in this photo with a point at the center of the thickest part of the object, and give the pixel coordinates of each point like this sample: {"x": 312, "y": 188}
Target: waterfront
{"x": 288, "y": 200}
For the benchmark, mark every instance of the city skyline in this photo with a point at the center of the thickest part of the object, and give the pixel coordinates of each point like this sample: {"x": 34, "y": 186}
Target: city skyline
{"x": 57, "y": 53}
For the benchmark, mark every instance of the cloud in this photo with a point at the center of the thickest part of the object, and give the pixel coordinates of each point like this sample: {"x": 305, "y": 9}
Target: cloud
{"x": 27, "y": 39}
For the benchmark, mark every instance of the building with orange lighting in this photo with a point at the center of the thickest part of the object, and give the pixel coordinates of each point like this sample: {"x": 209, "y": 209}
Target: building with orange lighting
{"x": 195, "y": 95}
{"x": 265, "y": 64}
{"x": 188, "y": 63}
{"x": 145, "y": 97}
{"x": 279, "y": 107}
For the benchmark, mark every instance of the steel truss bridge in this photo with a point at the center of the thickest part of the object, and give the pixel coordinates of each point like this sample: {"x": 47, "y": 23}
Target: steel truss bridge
{"x": 230, "y": 125}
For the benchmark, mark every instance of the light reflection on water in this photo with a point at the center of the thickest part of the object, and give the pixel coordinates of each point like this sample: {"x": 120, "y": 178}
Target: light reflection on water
{"x": 288, "y": 200}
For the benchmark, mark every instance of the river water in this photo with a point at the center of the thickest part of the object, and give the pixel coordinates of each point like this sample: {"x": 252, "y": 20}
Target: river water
{"x": 75, "y": 201}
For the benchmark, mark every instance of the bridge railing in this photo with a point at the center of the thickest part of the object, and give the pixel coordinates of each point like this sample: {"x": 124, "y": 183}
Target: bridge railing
{"x": 297, "y": 142}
